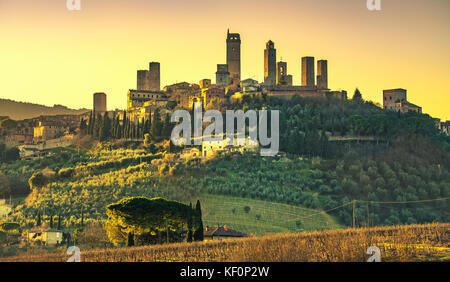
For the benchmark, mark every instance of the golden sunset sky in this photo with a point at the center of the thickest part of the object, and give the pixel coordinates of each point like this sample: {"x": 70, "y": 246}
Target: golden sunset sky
{"x": 50, "y": 55}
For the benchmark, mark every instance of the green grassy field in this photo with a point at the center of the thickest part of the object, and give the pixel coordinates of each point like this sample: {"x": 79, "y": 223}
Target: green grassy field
{"x": 274, "y": 217}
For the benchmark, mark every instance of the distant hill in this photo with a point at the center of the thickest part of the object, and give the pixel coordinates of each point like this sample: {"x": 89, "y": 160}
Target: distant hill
{"x": 20, "y": 110}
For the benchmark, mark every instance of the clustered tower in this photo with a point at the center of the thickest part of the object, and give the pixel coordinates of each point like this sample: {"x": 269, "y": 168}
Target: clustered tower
{"x": 270, "y": 57}
{"x": 322, "y": 74}
{"x": 308, "y": 78}
{"x": 143, "y": 80}
{"x": 154, "y": 76}
{"x": 149, "y": 80}
{"x": 234, "y": 57}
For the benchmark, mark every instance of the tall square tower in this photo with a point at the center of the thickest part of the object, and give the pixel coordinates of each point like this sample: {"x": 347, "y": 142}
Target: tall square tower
{"x": 154, "y": 76}
{"x": 234, "y": 56}
{"x": 270, "y": 57}
{"x": 143, "y": 80}
{"x": 308, "y": 78}
{"x": 322, "y": 74}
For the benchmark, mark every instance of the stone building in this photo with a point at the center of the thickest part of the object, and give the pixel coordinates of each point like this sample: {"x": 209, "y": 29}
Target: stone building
{"x": 183, "y": 93}
{"x": 445, "y": 127}
{"x": 270, "y": 57}
{"x": 396, "y": 100}
{"x": 205, "y": 83}
{"x": 212, "y": 92}
{"x": 222, "y": 75}
{"x": 137, "y": 98}
{"x": 48, "y": 130}
{"x": 221, "y": 232}
{"x": 322, "y": 74}
{"x": 45, "y": 236}
{"x": 308, "y": 78}
{"x": 220, "y": 146}
{"x": 234, "y": 56}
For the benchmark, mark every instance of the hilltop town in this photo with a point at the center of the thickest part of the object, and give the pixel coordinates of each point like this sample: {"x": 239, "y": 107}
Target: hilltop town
{"x": 45, "y": 132}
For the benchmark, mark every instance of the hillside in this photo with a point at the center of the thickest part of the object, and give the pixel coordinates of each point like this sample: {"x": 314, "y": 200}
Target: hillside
{"x": 411, "y": 243}
{"x": 400, "y": 175}
{"x": 20, "y": 110}
{"x": 264, "y": 217}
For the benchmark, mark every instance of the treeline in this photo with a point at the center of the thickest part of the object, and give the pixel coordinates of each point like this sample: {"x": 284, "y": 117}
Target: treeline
{"x": 144, "y": 221}
{"x": 98, "y": 167}
{"x": 102, "y": 127}
{"x": 307, "y": 123}
{"x": 8, "y": 154}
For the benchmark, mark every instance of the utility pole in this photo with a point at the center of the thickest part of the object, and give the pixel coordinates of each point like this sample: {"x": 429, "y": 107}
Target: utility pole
{"x": 354, "y": 202}
{"x": 368, "y": 216}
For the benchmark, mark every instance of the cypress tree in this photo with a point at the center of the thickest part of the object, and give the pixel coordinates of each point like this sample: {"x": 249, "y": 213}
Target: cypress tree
{"x": 167, "y": 127}
{"x": 59, "y": 221}
{"x": 105, "y": 128}
{"x": 189, "y": 226}
{"x": 51, "y": 221}
{"x": 117, "y": 128}
{"x": 124, "y": 124}
{"x": 91, "y": 123}
{"x": 198, "y": 233}
{"x": 82, "y": 217}
{"x": 98, "y": 126}
{"x": 147, "y": 126}
{"x": 38, "y": 221}
{"x": 130, "y": 240}
{"x": 156, "y": 124}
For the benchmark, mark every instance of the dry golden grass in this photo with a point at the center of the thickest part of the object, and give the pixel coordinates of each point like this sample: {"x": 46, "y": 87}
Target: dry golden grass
{"x": 428, "y": 242}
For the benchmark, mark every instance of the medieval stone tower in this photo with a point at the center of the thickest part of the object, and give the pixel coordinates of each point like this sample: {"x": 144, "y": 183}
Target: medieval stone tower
{"x": 149, "y": 80}
{"x": 154, "y": 76}
{"x": 322, "y": 74}
{"x": 234, "y": 56}
{"x": 143, "y": 80}
{"x": 270, "y": 57}
{"x": 99, "y": 102}
{"x": 308, "y": 78}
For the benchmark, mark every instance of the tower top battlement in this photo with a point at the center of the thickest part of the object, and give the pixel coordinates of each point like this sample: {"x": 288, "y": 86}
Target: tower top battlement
{"x": 270, "y": 44}
{"x": 233, "y": 37}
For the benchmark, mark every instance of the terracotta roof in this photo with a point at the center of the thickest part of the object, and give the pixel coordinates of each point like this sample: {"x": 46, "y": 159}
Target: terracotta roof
{"x": 222, "y": 231}
{"x": 410, "y": 104}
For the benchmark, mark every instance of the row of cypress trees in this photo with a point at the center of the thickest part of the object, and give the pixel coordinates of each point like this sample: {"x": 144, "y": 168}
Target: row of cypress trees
{"x": 102, "y": 127}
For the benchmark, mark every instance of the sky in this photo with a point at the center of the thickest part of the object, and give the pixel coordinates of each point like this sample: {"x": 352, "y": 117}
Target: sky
{"x": 50, "y": 55}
